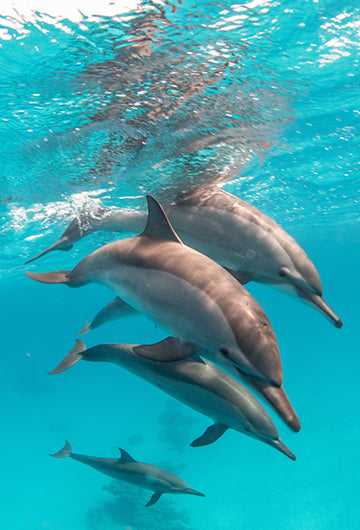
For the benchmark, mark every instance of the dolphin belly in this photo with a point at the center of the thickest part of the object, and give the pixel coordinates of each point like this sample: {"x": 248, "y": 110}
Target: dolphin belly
{"x": 180, "y": 308}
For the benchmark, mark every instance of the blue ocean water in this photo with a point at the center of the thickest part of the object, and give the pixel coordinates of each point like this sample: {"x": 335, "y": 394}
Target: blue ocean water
{"x": 100, "y": 108}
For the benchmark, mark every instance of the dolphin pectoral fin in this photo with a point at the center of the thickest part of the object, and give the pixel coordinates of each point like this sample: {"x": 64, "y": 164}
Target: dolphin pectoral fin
{"x": 64, "y": 452}
{"x": 158, "y": 225}
{"x": 154, "y": 498}
{"x": 240, "y": 276}
{"x": 49, "y": 277}
{"x": 71, "y": 358}
{"x": 125, "y": 458}
{"x": 211, "y": 434}
{"x": 113, "y": 311}
{"x": 167, "y": 350}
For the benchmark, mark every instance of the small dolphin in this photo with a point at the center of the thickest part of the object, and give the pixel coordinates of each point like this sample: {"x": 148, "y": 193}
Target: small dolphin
{"x": 228, "y": 230}
{"x": 193, "y": 298}
{"x": 194, "y": 381}
{"x": 129, "y": 470}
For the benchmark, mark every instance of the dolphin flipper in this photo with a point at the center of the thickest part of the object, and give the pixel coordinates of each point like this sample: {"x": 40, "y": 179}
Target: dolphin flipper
{"x": 49, "y": 277}
{"x": 71, "y": 358}
{"x": 211, "y": 434}
{"x": 167, "y": 350}
{"x": 113, "y": 311}
{"x": 154, "y": 498}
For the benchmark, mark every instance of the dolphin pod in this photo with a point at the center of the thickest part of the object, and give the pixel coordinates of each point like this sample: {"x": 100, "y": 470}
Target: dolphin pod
{"x": 127, "y": 469}
{"x": 193, "y": 298}
{"x": 194, "y": 381}
{"x": 230, "y": 231}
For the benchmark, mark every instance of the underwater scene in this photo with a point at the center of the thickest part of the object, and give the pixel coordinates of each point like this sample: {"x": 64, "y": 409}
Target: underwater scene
{"x": 191, "y": 171}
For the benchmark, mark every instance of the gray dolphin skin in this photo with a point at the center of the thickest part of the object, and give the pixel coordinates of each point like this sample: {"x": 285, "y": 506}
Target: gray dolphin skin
{"x": 191, "y": 297}
{"x": 129, "y": 470}
{"x": 230, "y": 231}
{"x": 195, "y": 382}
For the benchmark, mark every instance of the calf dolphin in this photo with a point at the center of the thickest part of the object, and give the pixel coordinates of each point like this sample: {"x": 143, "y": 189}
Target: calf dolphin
{"x": 194, "y": 381}
{"x": 125, "y": 468}
{"x": 227, "y": 229}
{"x": 193, "y": 298}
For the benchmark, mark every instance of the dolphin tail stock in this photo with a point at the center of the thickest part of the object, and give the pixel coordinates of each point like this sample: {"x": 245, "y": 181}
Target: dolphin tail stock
{"x": 74, "y": 356}
{"x": 154, "y": 498}
{"x": 64, "y": 452}
{"x": 277, "y": 398}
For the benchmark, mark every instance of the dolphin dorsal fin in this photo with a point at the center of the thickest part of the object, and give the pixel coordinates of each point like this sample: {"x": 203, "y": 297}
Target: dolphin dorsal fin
{"x": 158, "y": 225}
{"x": 125, "y": 457}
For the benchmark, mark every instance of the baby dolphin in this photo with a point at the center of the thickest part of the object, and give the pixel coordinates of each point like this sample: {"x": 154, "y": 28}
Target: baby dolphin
{"x": 230, "y": 231}
{"x": 129, "y": 470}
{"x": 194, "y": 381}
{"x": 193, "y": 298}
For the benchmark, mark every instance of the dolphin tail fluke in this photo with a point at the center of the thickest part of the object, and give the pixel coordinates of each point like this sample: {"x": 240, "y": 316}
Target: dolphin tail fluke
{"x": 154, "y": 498}
{"x": 74, "y": 356}
{"x": 64, "y": 452}
{"x": 85, "y": 329}
{"x": 280, "y": 446}
{"x": 211, "y": 434}
{"x": 49, "y": 277}
{"x": 277, "y": 398}
{"x": 60, "y": 244}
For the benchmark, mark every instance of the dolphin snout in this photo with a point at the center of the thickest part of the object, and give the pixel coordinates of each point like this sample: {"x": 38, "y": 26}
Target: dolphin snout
{"x": 320, "y": 305}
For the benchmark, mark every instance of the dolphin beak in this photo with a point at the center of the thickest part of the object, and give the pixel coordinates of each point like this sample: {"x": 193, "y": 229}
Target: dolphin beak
{"x": 277, "y": 398}
{"x": 280, "y": 446}
{"x": 320, "y": 304}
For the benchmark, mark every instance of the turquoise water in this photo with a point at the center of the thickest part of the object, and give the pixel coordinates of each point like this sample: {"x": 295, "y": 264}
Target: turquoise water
{"x": 98, "y": 110}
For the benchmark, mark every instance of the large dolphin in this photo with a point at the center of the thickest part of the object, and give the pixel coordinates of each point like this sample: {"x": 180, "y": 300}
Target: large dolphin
{"x": 194, "y": 381}
{"x": 193, "y": 298}
{"x": 227, "y": 229}
{"x": 127, "y": 469}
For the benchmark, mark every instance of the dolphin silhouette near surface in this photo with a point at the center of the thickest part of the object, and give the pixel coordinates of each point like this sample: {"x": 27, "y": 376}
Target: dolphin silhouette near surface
{"x": 229, "y": 230}
{"x": 193, "y": 298}
{"x": 195, "y": 382}
{"x": 129, "y": 470}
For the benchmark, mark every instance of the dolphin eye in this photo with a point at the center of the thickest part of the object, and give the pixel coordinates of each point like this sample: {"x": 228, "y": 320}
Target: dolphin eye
{"x": 224, "y": 352}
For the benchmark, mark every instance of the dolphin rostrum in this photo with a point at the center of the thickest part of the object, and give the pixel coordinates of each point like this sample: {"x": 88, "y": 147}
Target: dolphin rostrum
{"x": 127, "y": 469}
{"x": 194, "y": 381}
{"x": 227, "y": 229}
{"x": 193, "y": 298}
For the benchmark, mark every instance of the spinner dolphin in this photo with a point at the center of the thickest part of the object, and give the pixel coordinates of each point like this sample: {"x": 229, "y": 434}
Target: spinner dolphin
{"x": 230, "y": 231}
{"x": 127, "y": 469}
{"x": 193, "y": 298}
{"x": 194, "y": 381}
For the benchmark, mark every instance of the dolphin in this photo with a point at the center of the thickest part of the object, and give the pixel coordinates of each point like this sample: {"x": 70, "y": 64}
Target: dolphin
{"x": 228, "y": 230}
{"x": 127, "y": 469}
{"x": 194, "y": 381}
{"x": 193, "y": 298}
